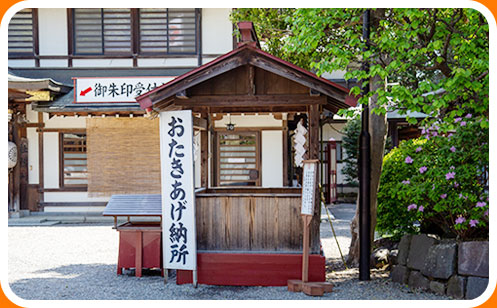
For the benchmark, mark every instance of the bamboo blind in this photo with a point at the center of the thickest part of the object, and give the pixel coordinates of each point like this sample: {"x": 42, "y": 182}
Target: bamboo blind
{"x": 123, "y": 156}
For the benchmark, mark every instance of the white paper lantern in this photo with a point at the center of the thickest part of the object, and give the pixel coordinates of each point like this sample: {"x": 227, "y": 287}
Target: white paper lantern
{"x": 12, "y": 155}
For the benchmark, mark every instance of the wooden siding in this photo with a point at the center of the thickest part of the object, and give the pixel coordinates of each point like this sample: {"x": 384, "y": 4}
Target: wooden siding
{"x": 245, "y": 221}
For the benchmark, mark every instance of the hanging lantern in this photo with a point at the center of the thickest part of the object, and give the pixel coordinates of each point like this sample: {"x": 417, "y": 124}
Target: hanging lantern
{"x": 230, "y": 126}
{"x": 12, "y": 155}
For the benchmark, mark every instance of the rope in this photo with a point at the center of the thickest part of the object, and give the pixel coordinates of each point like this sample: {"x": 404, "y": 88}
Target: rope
{"x": 331, "y": 225}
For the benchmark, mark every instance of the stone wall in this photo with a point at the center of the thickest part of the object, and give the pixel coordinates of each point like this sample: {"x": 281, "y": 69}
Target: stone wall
{"x": 457, "y": 269}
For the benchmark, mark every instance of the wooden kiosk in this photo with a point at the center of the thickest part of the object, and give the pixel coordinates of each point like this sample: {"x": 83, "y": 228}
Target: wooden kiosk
{"x": 249, "y": 232}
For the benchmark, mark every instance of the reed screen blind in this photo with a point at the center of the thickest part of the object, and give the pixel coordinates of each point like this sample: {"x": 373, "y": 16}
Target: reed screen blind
{"x": 123, "y": 156}
{"x": 20, "y": 30}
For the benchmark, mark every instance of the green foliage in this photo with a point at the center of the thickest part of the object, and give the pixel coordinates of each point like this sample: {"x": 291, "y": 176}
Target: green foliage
{"x": 350, "y": 143}
{"x": 424, "y": 50}
{"x": 450, "y": 197}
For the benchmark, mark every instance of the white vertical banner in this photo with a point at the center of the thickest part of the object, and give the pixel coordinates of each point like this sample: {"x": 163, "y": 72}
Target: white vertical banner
{"x": 178, "y": 190}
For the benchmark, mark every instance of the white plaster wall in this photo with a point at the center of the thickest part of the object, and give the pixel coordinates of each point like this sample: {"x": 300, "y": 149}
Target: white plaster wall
{"x": 51, "y": 160}
{"x": 334, "y": 75}
{"x": 53, "y": 31}
{"x": 53, "y": 63}
{"x": 65, "y": 122}
{"x": 249, "y": 121}
{"x": 72, "y": 197}
{"x": 272, "y": 158}
{"x": 31, "y": 116}
{"x": 217, "y": 31}
{"x": 102, "y": 63}
{"x": 170, "y": 62}
{"x": 33, "y": 169}
{"x": 21, "y": 63}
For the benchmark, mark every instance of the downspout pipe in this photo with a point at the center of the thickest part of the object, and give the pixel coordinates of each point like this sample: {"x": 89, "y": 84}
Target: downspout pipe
{"x": 365, "y": 169}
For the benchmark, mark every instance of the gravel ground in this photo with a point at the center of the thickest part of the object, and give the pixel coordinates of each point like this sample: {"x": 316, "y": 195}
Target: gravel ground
{"x": 79, "y": 262}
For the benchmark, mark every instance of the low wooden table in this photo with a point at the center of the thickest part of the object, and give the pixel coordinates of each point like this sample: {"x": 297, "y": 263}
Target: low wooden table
{"x": 140, "y": 243}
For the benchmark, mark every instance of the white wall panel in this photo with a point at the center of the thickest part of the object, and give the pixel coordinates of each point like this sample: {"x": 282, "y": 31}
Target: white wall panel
{"x": 52, "y": 31}
{"x": 272, "y": 158}
{"x": 217, "y": 31}
{"x": 33, "y": 169}
{"x": 51, "y": 160}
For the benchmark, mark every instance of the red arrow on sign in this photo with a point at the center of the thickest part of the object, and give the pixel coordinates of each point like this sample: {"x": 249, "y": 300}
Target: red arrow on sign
{"x": 83, "y": 93}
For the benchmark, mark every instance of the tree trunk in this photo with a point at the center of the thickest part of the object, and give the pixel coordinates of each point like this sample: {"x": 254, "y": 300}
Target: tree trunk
{"x": 378, "y": 131}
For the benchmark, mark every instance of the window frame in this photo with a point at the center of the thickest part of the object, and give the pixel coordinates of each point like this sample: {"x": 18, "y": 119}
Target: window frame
{"x": 62, "y": 185}
{"x": 258, "y": 155}
{"x": 135, "y": 47}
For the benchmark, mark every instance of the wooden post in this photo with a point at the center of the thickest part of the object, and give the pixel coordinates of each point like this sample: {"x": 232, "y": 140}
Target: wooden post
{"x": 204, "y": 153}
{"x": 306, "y": 220}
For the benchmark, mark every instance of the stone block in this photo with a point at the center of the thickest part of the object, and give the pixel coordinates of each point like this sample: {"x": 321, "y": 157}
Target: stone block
{"x": 400, "y": 274}
{"x": 418, "y": 250}
{"x": 475, "y": 287}
{"x": 437, "y": 287}
{"x": 404, "y": 244}
{"x": 456, "y": 286}
{"x": 473, "y": 259}
{"x": 418, "y": 281}
{"x": 440, "y": 261}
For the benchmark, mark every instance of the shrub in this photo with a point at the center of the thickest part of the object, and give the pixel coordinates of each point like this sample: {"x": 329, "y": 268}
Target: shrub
{"x": 437, "y": 184}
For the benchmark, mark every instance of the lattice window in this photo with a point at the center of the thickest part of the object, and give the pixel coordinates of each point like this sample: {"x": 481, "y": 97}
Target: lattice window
{"x": 74, "y": 159}
{"x": 102, "y": 31}
{"x": 21, "y": 29}
{"x": 238, "y": 159}
{"x": 170, "y": 31}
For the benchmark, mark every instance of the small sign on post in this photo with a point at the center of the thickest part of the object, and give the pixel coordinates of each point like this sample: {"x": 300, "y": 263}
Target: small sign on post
{"x": 178, "y": 191}
{"x": 309, "y": 188}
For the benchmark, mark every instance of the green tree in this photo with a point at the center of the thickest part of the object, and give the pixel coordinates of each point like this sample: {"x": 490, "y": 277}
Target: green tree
{"x": 438, "y": 57}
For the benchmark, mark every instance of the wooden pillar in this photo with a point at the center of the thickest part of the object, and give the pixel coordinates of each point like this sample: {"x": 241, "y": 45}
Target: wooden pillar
{"x": 313, "y": 120}
{"x": 41, "y": 180}
{"x": 285, "y": 152}
{"x": 204, "y": 153}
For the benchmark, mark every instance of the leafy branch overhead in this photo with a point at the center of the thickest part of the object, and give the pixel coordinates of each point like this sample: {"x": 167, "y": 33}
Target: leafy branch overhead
{"x": 438, "y": 57}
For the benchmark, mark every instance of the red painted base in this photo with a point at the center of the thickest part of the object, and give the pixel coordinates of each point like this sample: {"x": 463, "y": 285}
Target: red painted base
{"x": 239, "y": 269}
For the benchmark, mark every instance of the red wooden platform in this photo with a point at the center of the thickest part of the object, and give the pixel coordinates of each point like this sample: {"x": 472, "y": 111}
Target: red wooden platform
{"x": 243, "y": 269}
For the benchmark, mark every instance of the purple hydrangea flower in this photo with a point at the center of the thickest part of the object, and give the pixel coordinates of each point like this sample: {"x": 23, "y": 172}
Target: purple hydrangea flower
{"x": 463, "y": 123}
{"x": 456, "y": 184}
{"x": 452, "y": 148}
{"x": 423, "y": 169}
{"x": 412, "y": 207}
{"x": 460, "y": 220}
{"x": 418, "y": 149}
{"x": 408, "y": 160}
{"x": 434, "y": 133}
{"x": 468, "y": 116}
{"x": 450, "y": 175}
{"x": 450, "y": 135}
{"x": 457, "y": 119}
{"x": 421, "y": 208}
{"x": 486, "y": 213}
{"x": 480, "y": 204}
{"x": 423, "y": 131}
{"x": 405, "y": 182}
{"x": 473, "y": 222}
{"x": 443, "y": 196}
{"x": 427, "y": 137}
{"x": 452, "y": 168}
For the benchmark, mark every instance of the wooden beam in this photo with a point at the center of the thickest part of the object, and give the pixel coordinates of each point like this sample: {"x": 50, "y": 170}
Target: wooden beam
{"x": 199, "y": 123}
{"x": 254, "y": 109}
{"x": 249, "y": 100}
